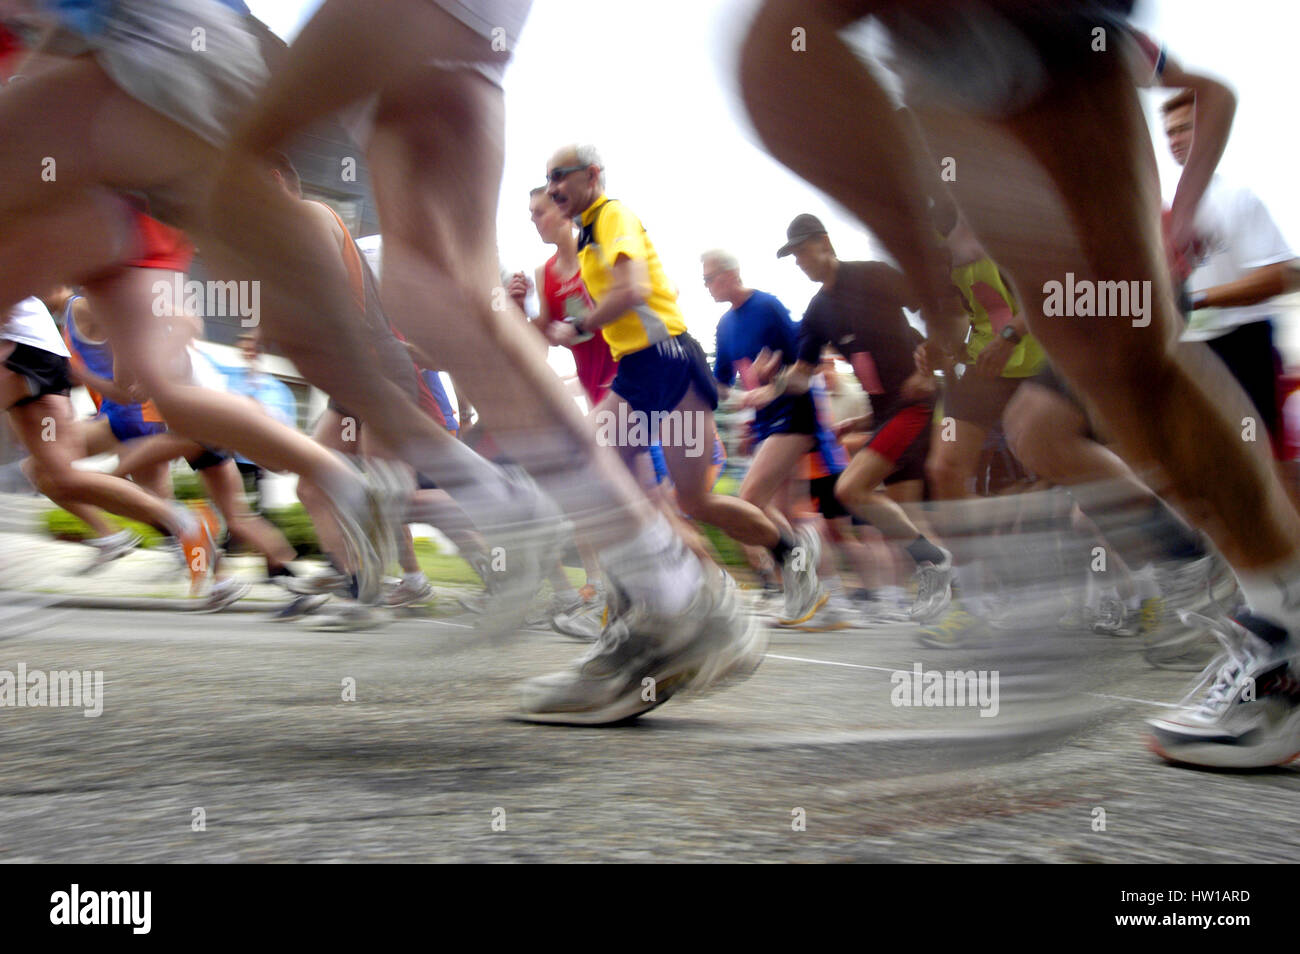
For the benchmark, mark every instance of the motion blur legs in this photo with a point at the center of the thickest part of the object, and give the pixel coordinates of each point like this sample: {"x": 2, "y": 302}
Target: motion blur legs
{"x": 1169, "y": 410}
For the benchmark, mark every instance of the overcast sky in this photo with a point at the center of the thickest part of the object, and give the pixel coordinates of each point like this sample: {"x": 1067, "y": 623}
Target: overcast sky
{"x": 651, "y": 86}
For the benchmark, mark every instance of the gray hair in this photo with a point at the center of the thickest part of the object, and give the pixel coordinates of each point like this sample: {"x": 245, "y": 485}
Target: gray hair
{"x": 722, "y": 258}
{"x": 587, "y": 155}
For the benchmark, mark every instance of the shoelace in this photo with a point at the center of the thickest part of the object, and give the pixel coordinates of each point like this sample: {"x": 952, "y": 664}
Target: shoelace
{"x": 1226, "y": 669}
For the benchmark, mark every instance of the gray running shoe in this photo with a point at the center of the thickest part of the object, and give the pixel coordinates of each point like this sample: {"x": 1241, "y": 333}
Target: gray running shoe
{"x": 298, "y": 607}
{"x": 327, "y": 583}
{"x": 225, "y": 593}
{"x": 584, "y": 621}
{"x": 804, "y": 593}
{"x": 409, "y": 592}
{"x": 110, "y": 548}
{"x": 643, "y": 658}
{"x": 352, "y": 618}
{"x": 933, "y": 589}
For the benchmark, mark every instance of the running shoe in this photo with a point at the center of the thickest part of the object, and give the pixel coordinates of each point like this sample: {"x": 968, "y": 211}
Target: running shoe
{"x": 643, "y": 658}
{"x": 327, "y": 582}
{"x": 958, "y": 629}
{"x": 933, "y": 589}
{"x": 583, "y": 621}
{"x": 110, "y": 548}
{"x": 529, "y": 550}
{"x": 351, "y": 618}
{"x": 366, "y": 529}
{"x": 542, "y": 613}
{"x": 836, "y": 614}
{"x": 298, "y": 607}
{"x": 225, "y": 593}
{"x": 409, "y": 591}
{"x": 1244, "y": 712}
{"x": 804, "y": 593}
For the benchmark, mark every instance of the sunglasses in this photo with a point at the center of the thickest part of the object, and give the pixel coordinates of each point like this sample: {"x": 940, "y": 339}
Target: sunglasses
{"x": 557, "y": 174}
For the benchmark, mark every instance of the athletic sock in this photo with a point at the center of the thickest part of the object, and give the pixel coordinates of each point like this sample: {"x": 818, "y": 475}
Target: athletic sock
{"x": 784, "y": 546}
{"x": 923, "y": 551}
{"x": 655, "y": 568}
{"x": 1273, "y": 594}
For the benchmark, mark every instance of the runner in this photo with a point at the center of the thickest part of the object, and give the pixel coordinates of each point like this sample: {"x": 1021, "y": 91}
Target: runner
{"x": 1052, "y": 99}
{"x": 859, "y": 312}
{"x": 434, "y": 152}
{"x": 34, "y": 387}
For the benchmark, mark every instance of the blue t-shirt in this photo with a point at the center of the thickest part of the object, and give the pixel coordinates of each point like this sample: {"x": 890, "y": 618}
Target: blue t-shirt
{"x": 761, "y": 322}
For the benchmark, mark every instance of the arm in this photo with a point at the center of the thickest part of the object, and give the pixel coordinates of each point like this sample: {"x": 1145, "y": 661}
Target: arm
{"x": 1216, "y": 105}
{"x": 630, "y": 290}
{"x": 1260, "y": 284}
{"x": 105, "y": 386}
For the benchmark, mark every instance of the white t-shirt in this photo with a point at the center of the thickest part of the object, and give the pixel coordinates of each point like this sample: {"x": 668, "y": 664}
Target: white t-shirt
{"x": 30, "y": 323}
{"x": 1234, "y": 234}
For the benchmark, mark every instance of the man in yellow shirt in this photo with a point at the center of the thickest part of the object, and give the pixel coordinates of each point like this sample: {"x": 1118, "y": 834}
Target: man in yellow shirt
{"x": 664, "y": 387}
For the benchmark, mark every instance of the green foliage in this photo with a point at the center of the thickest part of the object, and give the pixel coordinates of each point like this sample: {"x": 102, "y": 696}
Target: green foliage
{"x": 296, "y": 527}
{"x": 64, "y": 526}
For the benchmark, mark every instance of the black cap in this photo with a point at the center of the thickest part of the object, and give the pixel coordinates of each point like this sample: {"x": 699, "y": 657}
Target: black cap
{"x": 803, "y": 227}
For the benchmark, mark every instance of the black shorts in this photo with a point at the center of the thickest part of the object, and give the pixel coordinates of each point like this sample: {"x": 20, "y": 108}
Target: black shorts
{"x": 209, "y": 458}
{"x": 1248, "y": 352}
{"x": 979, "y": 400}
{"x": 822, "y": 490}
{"x": 44, "y": 372}
{"x": 788, "y": 414}
{"x": 657, "y": 378}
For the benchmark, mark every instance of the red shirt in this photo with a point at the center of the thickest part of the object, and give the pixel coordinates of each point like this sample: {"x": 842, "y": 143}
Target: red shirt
{"x": 565, "y": 297}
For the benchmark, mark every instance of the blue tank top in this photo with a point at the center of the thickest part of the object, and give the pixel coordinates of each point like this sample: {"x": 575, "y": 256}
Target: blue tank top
{"x": 97, "y": 357}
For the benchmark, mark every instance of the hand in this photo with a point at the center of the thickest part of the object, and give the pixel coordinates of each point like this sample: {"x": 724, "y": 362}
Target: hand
{"x": 766, "y": 365}
{"x": 947, "y": 322}
{"x": 561, "y": 334}
{"x": 519, "y": 286}
{"x": 759, "y": 397}
{"x": 931, "y": 356}
{"x": 993, "y": 359}
{"x": 919, "y": 387}
{"x": 851, "y": 424}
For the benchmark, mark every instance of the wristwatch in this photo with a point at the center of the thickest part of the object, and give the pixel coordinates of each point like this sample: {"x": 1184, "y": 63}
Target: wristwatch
{"x": 1010, "y": 334}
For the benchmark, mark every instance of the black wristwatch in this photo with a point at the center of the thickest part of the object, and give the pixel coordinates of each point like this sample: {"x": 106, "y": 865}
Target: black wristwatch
{"x": 1010, "y": 334}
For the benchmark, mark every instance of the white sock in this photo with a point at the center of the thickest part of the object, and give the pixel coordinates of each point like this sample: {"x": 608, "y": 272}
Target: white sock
{"x": 655, "y": 567}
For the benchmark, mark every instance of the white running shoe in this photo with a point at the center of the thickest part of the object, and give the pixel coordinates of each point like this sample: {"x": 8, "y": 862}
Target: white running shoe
{"x": 225, "y": 593}
{"x": 643, "y": 658}
{"x": 1244, "y": 712}
{"x": 804, "y": 593}
{"x": 933, "y": 589}
{"x": 409, "y": 591}
{"x": 110, "y": 548}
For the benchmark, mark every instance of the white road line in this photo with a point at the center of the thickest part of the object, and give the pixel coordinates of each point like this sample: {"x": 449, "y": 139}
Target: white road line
{"x": 828, "y": 662}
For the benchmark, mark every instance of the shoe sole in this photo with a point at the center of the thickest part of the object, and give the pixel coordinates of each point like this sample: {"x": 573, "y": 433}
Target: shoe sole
{"x": 1208, "y": 755}
{"x": 306, "y": 609}
{"x": 808, "y": 615}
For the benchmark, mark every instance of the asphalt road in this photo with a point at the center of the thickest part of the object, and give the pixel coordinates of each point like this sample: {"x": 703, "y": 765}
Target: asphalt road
{"x": 245, "y": 719}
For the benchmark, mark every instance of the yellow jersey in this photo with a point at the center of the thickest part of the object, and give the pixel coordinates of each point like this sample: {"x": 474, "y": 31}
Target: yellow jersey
{"x": 609, "y": 230}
